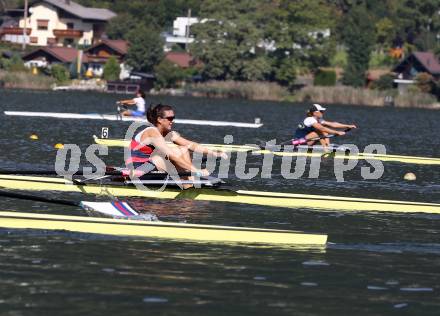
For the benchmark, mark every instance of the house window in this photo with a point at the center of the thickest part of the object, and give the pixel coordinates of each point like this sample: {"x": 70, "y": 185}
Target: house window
{"x": 51, "y": 41}
{"x": 34, "y": 39}
{"x": 70, "y": 26}
{"x": 42, "y": 25}
{"x": 68, "y": 42}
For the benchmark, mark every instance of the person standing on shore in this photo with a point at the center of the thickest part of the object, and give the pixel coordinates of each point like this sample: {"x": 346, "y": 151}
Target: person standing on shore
{"x": 138, "y": 101}
{"x": 314, "y": 128}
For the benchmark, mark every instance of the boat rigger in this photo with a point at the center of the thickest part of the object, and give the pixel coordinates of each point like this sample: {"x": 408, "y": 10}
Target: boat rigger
{"x": 272, "y": 199}
{"x": 255, "y": 149}
{"x": 115, "y": 117}
{"x": 178, "y": 231}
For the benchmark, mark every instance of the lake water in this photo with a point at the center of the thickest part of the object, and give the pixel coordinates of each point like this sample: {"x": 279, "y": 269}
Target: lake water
{"x": 375, "y": 263}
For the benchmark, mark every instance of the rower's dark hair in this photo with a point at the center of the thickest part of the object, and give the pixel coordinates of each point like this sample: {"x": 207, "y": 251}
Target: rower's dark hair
{"x": 157, "y": 111}
{"x": 142, "y": 93}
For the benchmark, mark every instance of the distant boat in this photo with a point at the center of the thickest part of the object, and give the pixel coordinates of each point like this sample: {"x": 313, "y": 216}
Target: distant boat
{"x": 115, "y": 117}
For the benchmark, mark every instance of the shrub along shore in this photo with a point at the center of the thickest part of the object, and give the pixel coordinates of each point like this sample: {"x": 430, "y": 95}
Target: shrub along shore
{"x": 25, "y": 80}
{"x": 330, "y": 95}
{"x": 268, "y": 91}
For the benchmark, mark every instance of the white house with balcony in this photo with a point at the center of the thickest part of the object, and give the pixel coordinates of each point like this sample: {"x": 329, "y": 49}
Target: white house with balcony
{"x": 181, "y": 34}
{"x": 57, "y": 23}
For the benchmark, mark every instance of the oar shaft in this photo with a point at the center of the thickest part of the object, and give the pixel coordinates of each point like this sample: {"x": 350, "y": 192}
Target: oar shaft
{"x": 313, "y": 139}
{"x": 37, "y": 198}
{"x": 154, "y": 175}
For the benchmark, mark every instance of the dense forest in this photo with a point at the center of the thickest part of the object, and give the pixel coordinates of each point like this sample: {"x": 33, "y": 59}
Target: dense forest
{"x": 276, "y": 40}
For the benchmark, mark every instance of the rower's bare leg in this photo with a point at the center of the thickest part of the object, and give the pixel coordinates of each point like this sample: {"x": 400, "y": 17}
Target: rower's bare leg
{"x": 161, "y": 163}
{"x": 310, "y": 136}
{"x": 325, "y": 142}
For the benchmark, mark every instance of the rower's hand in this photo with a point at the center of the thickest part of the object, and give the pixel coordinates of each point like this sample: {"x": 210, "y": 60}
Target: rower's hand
{"x": 352, "y": 126}
{"x": 340, "y": 133}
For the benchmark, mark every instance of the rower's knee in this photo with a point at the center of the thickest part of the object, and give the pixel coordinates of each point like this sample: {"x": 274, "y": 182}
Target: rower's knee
{"x": 159, "y": 162}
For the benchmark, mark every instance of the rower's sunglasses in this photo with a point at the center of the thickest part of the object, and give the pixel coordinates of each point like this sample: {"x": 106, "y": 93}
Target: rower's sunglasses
{"x": 169, "y": 118}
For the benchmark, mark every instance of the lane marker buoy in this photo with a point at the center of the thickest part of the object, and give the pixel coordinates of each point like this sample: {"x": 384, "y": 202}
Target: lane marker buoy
{"x": 409, "y": 176}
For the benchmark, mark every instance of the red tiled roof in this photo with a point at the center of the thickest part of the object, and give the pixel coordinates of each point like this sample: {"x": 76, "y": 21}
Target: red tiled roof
{"x": 181, "y": 59}
{"x": 120, "y": 46}
{"x": 429, "y": 61}
{"x": 63, "y": 54}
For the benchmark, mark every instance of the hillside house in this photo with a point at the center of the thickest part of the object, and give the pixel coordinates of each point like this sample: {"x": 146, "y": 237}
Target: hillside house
{"x": 416, "y": 63}
{"x": 56, "y": 23}
{"x": 47, "y": 56}
{"x": 93, "y": 58}
{"x": 99, "y": 53}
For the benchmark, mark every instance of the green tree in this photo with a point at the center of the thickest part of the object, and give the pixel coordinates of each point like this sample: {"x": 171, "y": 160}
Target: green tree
{"x": 146, "y": 48}
{"x": 16, "y": 63}
{"x": 385, "y": 82}
{"x": 160, "y": 13}
{"x": 325, "y": 78}
{"x": 120, "y": 26}
{"x": 4, "y": 63}
{"x": 60, "y": 73}
{"x": 250, "y": 40}
{"x": 256, "y": 69}
{"x": 168, "y": 74}
{"x": 425, "y": 82}
{"x": 227, "y": 41}
{"x": 359, "y": 39}
{"x": 111, "y": 69}
{"x": 285, "y": 72}
{"x": 301, "y": 30}
{"x": 386, "y": 32}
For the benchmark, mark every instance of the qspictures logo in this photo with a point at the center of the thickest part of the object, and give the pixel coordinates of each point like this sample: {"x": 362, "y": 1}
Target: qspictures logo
{"x": 294, "y": 161}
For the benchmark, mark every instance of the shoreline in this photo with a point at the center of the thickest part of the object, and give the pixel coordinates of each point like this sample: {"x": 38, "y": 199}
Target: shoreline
{"x": 257, "y": 91}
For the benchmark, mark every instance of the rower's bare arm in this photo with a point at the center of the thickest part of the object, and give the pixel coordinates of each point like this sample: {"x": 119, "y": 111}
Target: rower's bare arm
{"x": 153, "y": 137}
{"x": 127, "y": 102}
{"x": 321, "y": 128}
{"x": 196, "y": 147}
{"x": 338, "y": 125}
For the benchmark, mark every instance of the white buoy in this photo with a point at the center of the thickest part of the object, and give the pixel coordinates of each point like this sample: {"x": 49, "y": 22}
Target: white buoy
{"x": 409, "y": 176}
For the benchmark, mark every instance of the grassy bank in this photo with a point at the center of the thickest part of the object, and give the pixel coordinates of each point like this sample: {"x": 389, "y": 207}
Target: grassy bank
{"x": 349, "y": 95}
{"x": 235, "y": 89}
{"x": 25, "y": 80}
{"x": 335, "y": 95}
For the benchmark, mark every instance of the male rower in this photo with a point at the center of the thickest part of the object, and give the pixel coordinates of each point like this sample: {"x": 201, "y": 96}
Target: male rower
{"x": 150, "y": 150}
{"x": 138, "y": 101}
{"x": 314, "y": 128}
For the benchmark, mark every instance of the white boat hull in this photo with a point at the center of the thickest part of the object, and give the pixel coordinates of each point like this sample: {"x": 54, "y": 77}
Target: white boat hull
{"x": 115, "y": 117}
